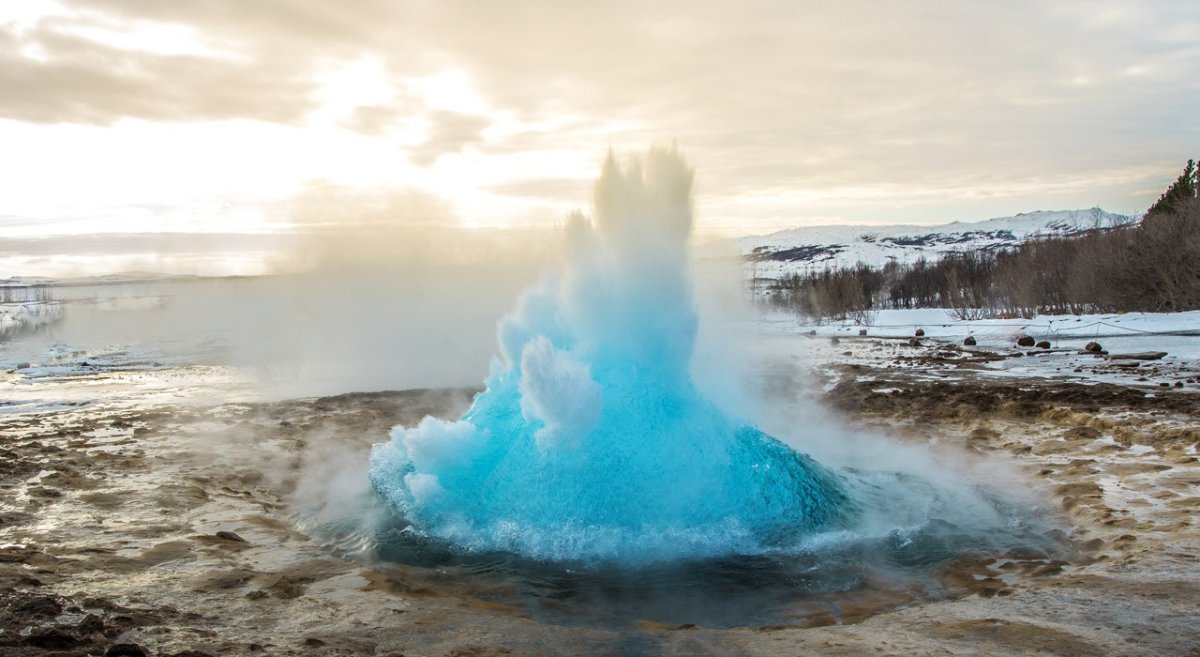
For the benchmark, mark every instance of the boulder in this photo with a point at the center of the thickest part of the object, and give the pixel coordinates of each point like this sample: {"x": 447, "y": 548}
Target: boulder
{"x": 51, "y": 638}
{"x": 1025, "y": 341}
{"x": 1093, "y": 347}
{"x": 126, "y": 650}
{"x": 230, "y": 536}
{"x": 862, "y": 331}
{"x": 1146, "y": 355}
{"x": 970, "y": 341}
{"x": 920, "y": 332}
{"x": 1044, "y": 344}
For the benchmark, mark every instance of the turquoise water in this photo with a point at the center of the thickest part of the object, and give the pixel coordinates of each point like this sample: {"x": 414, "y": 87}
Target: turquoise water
{"x": 590, "y": 440}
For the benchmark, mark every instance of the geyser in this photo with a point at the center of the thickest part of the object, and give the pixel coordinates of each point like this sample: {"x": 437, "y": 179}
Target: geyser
{"x": 590, "y": 440}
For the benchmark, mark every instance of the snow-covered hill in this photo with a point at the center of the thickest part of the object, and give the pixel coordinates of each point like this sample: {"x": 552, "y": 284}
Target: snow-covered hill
{"x": 821, "y": 247}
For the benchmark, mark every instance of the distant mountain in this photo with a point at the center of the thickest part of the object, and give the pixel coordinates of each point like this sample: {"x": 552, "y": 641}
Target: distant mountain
{"x": 832, "y": 247}
{"x": 129, "y": 277}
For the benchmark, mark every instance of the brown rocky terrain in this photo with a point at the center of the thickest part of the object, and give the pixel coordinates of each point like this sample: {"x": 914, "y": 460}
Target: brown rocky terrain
{"x": 187, "y": 526}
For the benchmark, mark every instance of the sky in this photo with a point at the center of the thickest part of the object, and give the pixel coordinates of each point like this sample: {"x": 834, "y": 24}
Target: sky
{"x": 207, "y": 135}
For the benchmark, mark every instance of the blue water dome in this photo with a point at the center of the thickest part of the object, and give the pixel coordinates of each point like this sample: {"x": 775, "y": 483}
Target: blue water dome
{"x": 590, "y": 441}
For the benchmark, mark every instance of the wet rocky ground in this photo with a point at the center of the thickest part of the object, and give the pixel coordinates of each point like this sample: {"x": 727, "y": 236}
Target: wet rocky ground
{"x": 138, "y": 516}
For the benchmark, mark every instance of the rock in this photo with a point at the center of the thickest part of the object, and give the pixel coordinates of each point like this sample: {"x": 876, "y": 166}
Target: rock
{"x": 23, "y": 366}
{"x": 1093, "y": 347}
{"x": 1147, "y": 355}
{"x": 1025, "y": 341}
{"x": 286, "y": 589}
{"x": 812, "y": 332}
{"x": 1179, "y": 384}
{"x": 1164, "y": 384}
{"x": 834, "y": 340}
{"x": 920, "y": 333}
{"x": 91, "y": 624}
{"x": 39, "y": 606}
{"x": 862, "y": 331}
{"x": 43, "y": 491}
{"x": 126, "y": 650}
{"x": 1044, "y": 344}
{"x": 1052, "y": 568}
{"x": 230, "y": 536}
{"x": 970, "y": 341}
{"x": 52, "y": 638}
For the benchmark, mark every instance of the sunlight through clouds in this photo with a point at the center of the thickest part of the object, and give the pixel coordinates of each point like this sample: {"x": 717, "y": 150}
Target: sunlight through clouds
{"x": 792, "y": 113}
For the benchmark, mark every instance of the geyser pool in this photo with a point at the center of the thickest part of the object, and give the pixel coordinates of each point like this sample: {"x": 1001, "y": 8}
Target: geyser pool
{"x": 590, "y": 440}
{"x": 591, "y": 482}
{"x": 591, "y": 447}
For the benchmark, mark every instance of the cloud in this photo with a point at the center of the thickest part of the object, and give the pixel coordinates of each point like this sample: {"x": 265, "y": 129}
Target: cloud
{"x": 341, "y": 228}
{"x": 372, "y": 120}
{"x": 78, "y": 80}
{"x": 324, "y": 205}
{"x": 377, "y": 233}
{"x": 565, "y": 190}
{"x": 449, "y": 132}
{"x": 764, "y": 96}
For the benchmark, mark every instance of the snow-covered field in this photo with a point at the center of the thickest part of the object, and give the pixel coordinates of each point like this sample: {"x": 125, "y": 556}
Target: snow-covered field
{"x": 1147, "y": 330}
{"x": 1121, "y": 336}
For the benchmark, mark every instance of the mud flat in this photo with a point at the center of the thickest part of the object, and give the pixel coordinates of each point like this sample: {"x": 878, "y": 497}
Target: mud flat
{"x": 164, "y": 511}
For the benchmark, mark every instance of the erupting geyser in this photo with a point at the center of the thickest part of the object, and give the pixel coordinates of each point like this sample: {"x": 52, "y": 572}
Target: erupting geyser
{"x": 591, "y": 441}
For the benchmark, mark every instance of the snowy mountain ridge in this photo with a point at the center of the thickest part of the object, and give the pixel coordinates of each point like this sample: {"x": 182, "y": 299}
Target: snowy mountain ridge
{"x": 831, "y": 247}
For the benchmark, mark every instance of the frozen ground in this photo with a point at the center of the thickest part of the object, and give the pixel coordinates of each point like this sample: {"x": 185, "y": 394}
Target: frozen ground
{"x": 996, "y": 353}
{"x": 151, "y": 495}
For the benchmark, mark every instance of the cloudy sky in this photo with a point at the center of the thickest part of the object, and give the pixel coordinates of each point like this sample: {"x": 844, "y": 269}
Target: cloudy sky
{"x": 130, "y": 126}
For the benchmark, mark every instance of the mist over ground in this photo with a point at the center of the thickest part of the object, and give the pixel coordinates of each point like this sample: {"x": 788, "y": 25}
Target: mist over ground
{"x": 376, "y": 291}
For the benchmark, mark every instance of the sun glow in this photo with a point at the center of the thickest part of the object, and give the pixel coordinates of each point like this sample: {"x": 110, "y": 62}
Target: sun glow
{"x": 450, "y": 90}
{"x": 348, "y": 86}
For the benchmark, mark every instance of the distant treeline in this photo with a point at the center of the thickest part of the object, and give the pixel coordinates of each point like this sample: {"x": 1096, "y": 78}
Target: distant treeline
{"x": 1150, "y": 266}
